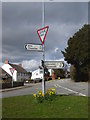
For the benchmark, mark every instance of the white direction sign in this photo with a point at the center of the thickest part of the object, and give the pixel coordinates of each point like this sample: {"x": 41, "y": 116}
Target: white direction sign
{"x": 54, "y": 64}
{"x": 34, "y": 47}
{"x": 42, "y": 33}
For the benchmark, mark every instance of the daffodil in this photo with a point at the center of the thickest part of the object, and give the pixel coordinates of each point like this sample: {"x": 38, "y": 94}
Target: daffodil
{"x": 52, "y": 93}
{"x": 34, "y": 95}
{"x": 53, "y": 89}
{"x": 39, "y": 93}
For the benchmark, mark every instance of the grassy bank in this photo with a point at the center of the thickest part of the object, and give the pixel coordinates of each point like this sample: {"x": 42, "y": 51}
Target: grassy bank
{"x": 60, "y": 107}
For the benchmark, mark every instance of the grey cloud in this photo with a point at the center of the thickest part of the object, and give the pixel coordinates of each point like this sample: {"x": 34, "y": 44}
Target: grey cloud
{"x": 70, "y": 12}
{"x": 13, "y": 13}
{"x": 21, "y": 21}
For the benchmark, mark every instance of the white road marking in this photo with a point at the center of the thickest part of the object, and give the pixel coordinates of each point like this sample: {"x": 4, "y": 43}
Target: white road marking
{"x": 56, "y": 85}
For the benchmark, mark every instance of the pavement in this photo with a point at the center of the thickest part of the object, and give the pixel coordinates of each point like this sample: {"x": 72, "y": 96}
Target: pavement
{"x": 15, "y": 88}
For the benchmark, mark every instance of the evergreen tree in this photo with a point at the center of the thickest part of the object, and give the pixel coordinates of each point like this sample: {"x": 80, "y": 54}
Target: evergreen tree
{"x": 77, "y": 52}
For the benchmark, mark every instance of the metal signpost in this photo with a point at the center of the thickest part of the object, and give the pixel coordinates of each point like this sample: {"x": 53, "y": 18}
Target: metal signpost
{"x": 12, "y": 71}
{"x": 37, "y": 47}
{"x": 42, "y": 34}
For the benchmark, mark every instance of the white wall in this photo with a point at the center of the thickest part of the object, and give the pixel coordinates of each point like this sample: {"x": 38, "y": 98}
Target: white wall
{"x": 50, "y": 71}
{"x": 37, "y": 74}
{"x": 15, "y": 76}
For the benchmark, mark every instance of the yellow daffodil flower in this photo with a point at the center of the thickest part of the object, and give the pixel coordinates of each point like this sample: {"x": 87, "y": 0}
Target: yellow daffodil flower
{"x": 34, "y": 95}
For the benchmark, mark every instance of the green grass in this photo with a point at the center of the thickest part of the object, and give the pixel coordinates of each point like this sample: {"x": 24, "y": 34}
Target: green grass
{"x": 60, "y": 107}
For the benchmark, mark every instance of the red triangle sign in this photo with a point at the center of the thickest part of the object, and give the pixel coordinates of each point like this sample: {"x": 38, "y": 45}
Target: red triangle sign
{"x": 42, "y": 33}
{"x": 12, "y": 70}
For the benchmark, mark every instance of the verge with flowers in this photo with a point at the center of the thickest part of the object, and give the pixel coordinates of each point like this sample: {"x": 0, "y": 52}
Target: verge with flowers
{"x": 49, "y": 95}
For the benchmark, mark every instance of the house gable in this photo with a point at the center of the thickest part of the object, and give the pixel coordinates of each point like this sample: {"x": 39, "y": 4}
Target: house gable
{"x": 19, "y": 72}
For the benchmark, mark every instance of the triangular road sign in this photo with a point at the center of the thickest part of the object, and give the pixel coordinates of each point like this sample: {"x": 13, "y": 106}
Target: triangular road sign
{"x": 12, "y": 70}
{"x": 42, "y": 33}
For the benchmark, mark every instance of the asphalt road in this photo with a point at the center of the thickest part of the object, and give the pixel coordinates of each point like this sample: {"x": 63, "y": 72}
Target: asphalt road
{"x": 63, "y": 86}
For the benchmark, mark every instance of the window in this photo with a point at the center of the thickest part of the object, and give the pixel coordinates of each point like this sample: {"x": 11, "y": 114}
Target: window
{"x": 41, "y": 71}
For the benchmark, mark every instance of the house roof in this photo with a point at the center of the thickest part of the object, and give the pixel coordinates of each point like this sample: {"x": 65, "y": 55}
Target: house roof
{"x": 18, "y": 68}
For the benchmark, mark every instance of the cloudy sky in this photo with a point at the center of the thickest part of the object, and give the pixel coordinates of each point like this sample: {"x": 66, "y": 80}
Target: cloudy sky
{"x": 21, "y": 20}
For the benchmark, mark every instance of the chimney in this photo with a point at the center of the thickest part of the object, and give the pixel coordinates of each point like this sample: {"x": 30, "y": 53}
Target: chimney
{"x": 6, "y": 61}
{"x": 20, "y": 65}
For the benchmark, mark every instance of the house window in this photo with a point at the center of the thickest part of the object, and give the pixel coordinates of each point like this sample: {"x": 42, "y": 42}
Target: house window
{"x": 36, "y": 73}
{"x": 41, "y": 71}
{"x": 18, "y": 74}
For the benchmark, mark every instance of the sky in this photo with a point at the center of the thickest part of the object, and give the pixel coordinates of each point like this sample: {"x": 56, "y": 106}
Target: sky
{"x": 21, "y": 20}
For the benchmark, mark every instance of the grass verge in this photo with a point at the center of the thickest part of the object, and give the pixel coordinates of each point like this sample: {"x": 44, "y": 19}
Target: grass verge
{"x": 61, "y": 107}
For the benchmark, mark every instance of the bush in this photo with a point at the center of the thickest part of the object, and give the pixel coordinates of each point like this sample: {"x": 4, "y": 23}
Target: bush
{"x": 50, "y": 94}
{"x": 59, "y": 73}
{"x": 77, "y": 75}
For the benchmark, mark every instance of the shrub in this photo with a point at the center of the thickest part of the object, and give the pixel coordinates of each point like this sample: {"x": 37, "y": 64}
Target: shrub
{"x": 59, "y": 73}
{"x": 49, "y": 95}
{"x": 39, "y": 97}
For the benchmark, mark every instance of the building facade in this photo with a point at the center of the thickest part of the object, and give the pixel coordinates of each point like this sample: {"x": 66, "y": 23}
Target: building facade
{"x": 17, "y": 72}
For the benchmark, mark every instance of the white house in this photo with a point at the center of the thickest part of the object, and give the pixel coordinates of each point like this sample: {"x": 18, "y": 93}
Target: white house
{"x": 19, "y": 73}
{"x": 37, "y": 74}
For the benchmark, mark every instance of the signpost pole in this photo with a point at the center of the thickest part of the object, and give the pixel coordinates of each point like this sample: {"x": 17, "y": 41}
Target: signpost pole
{"x": 43, "y": 55}
{"x": 42, "y": 34}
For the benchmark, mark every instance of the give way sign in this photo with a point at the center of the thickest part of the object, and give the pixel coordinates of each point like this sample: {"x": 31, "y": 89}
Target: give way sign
{"x": 42, "y": 33}
{"x": 12, "y": 70}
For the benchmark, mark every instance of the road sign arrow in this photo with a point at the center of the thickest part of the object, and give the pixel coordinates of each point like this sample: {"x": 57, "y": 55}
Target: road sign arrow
{"x": 34, "y": 47}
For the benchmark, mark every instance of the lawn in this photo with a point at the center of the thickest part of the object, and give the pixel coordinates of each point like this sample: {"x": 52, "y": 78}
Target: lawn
{"x": 61, "y": 107}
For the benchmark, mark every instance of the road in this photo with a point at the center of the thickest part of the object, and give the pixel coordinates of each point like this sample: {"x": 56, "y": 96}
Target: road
{"x": 63, "y": 86}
